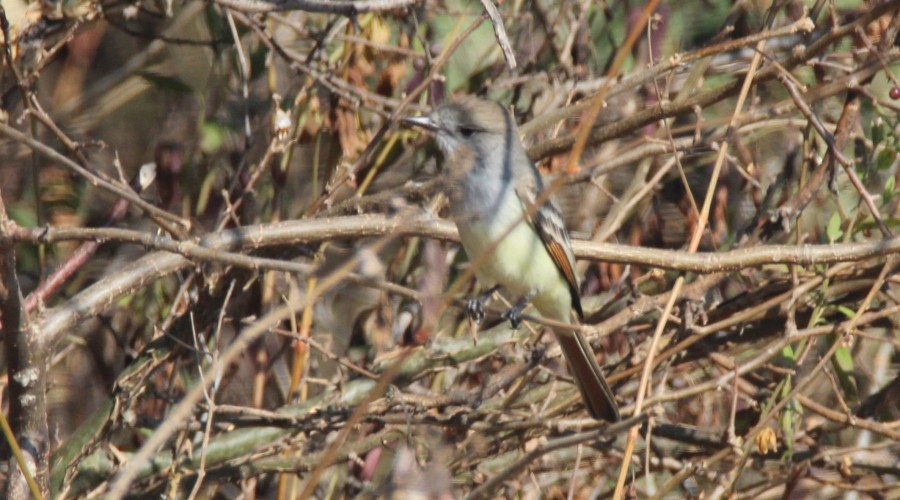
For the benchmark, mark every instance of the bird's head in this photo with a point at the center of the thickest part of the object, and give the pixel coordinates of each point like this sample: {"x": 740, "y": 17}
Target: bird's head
{"x": 468, "y": 123}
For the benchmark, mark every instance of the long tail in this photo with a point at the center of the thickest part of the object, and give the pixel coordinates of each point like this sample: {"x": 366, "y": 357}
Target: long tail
{"x": 597, "y": 395}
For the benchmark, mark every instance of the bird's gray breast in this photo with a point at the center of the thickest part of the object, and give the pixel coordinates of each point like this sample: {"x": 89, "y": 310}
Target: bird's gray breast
{"x": 481, "y": 195}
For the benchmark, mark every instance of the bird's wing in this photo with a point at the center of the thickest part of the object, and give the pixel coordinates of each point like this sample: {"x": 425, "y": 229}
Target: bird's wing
{"x": 547, "y": 221}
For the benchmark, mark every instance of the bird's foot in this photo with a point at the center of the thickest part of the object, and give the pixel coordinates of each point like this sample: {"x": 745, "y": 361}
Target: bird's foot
{"x": 475, "y": 305}
{"x": 514, "y": 313}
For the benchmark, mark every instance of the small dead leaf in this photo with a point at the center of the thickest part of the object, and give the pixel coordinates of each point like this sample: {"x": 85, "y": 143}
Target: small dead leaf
{"x": 349, "y": 134}
{"x": 846, "y": 468}
{"x": 391, "y": 78}
{"x": 379, "y": 31}
{"x": 766, "y": 441}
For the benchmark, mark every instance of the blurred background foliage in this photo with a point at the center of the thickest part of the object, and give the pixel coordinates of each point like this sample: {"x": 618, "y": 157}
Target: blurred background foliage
{"x": 255, "y": 118}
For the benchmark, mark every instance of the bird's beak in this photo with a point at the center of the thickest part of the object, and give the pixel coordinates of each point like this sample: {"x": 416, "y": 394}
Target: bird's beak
{"x": 420, "y": 121}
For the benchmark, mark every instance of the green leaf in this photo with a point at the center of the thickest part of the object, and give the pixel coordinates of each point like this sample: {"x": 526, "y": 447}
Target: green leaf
{"x": 877, "y": 134}
{"x": 846, "y": 311}
{"x": 23, "y": 214}
{"x": 834, "y": 231}
{"x": 212, "y": 137}
{"x": 842, "y": 363}
{"x": 888, "y": 193}
{"x": 787, "y": 352}
{"x": 843, "y": 360}
{"x": 163, "y": 82}
{"x": 787, "y": 418}
{"x": 206, "y": 188}
{"x": 885, "y": 159}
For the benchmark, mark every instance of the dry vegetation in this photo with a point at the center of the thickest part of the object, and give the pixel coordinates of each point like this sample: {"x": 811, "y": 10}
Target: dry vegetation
{"x": 226, "y": 272}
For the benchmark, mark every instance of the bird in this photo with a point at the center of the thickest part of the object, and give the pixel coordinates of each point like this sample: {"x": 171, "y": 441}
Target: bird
{"x": 511, "y": 230}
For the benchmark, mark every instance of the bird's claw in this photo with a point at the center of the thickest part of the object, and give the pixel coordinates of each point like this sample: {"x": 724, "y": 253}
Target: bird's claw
{"x": 475, "y": 309}
{"x": 514, "y": 315}
{"x": 475, "y": 305}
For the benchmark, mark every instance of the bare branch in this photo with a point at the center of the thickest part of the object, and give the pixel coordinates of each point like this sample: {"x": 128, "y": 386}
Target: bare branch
{"x": 348, "y": 8}
{"x": 27, "y": 378}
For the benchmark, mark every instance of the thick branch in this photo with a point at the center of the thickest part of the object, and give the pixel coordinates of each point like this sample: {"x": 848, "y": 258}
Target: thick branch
{"x": 216, "y": 247}
{"x": 219, "y": 247}
{"x": 343, "y": 7}
{"x": 27, "y": 370}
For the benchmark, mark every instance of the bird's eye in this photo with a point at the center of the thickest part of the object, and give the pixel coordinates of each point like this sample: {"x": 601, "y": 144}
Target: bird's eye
{"x": 467, "y": 131}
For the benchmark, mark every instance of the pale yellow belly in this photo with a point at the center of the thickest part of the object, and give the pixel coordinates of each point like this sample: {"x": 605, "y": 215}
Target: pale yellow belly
{"x": 518, "y": 262}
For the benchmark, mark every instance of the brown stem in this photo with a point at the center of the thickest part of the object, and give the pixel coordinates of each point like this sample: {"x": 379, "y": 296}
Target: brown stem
{"x": 27, "y": 370}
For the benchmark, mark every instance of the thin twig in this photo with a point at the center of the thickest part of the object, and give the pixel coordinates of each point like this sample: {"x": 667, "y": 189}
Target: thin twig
{"x": 500, "y": 32}
{"x": 94, "y": 179}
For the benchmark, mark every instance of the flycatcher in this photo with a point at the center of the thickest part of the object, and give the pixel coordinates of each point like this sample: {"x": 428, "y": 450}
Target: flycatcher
{"x": 517, "y": 243}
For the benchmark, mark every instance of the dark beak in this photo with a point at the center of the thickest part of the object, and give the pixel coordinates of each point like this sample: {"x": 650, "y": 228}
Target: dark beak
{"x": 420, "y": 121}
